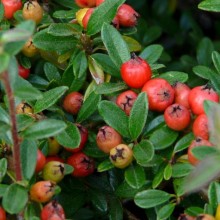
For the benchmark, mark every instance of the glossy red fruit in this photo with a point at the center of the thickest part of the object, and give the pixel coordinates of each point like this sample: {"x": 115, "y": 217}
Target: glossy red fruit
{"x": 126, "y": 100}
{"x": 73, "y": 102}
{"x": 2, "y": 214}
{"x": 54, "y": 158}
{"x": 160, "y": 94}
{"x": 42, "y": 191}
{"x": 99, "y": 2}
{"x": 136, "y": 72}
{"x": 86, "y": 18}
{"x": 198, "y": 95}
{"x": 108, "y": 138}
{"x": 181, "y": 94}
{"x": 82, "y": 164}
{"x": 200, "y": 127}
{"x": 41, "y": 161}
{"x": 51, "y": 209}
{"x": 115, "y": 22}
{"x": 177, "y": 117}
{"x": 85, "y": 3}
{"x": 196, "y": 143}
{"x": 84, "y": 137}
{"x": 23, "y": 72}
{"x": 10, "y": 7}
{"x": 127, "y": 16}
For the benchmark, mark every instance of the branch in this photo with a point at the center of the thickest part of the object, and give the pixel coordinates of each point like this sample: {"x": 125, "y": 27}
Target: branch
{"x": 14, "y": 132}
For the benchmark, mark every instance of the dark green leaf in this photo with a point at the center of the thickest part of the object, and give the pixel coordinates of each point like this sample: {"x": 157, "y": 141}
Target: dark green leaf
{"x": 5, "y": 60}
{"x": 49, "y": 98}
{"x": 174, "y": 76}
{"x": 115, "y": 209}
{"x": 210, "y": 5}
{"x": 135, "y": 176}
{"x": 109, "y": 88}
{"x": 68, "y": 169}
{"x": 184, "y": 142}
{"x": 3, "y": 168}
{"x": 105, "y": 165}
{"x": 23, "y": 121}
{"x": 115, "y": 45}
{"x": 168, "y": 171}
{"x": 4, "y": 117}
{"x": 181, "y": 169}
{"x": 80, "y": 64}
{"x": 214, "y": 194}
{"x": 15, "y": 198}
{"x": 48, "y": 42}
{"x": 70, "y": 137}
{"x": 158, "y": 178}
{"x": 3, "y": 188}
{"x": 163, "y": 138}
{"x": 138, "y": 115}
{"x": 107, "y": 65}
{"x": 152, "y": 53}
{"x": 28, "y": 158}
{"x": 133, "y": 45}
{"x": 154, "y": 124}
{"x": 143, "y": 152}
{"x": 165, "y": 212}
{"x": 119, "y": 122}
{"x": 51, "y": 72}
{"x": 216, "y": 60}
{"x": 194, "y": 211}
{"x": 151, "y": 198}
{"x": 62, "y": 29}
{"x": 1, "y": 12}
{"x": 104, "y": 13}
{"x": 98, "y": 200}
{"x": 44, "y": 129}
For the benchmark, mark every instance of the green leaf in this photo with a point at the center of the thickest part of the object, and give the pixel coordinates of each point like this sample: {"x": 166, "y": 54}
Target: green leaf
{"x": 216, "y": 60}
{"x": 4, "y": 117}
{"x": 62, "y": 29}
{"x": 204, "y": 51}
{"x": 158, "y": 178}
{"x": 194, "y": 211}
{"x": 151, "y": 198}
{"x": 98, "y": 200}
{"x": 105, "y": 165}
{"x": 3, "y": 168}
{"x": 70, "y": 137}
{"x": 214, "y": 194}
{"x": 89, "y": 107}
{"x": 168, "y": 171}
{"x": 23, "y": 121}
{"x": 51, "y": 72}
{"x": 143, "y": 152}
{"x": 80, "y": 64}
{"x": 68, "y": 169}
{"x": 174, "y": 76}
{"x": 165, "y": 212}
{"x": 163, "y": 138}
{"x": 135, "y": 176}
{"x": 203, "y": 72}
{"x": 45, "y": 41}
{"x": 181, "y": 169}
{"x": 117, "y": 48}
{"x": 49, "y": 98}
{"x": 183, "y": 142}
{"x": 28, "y": 158}
{"x": 5, "y": 60}
{"x": 204, "y": 172}
{"x": 138, "y": 115}
{"x": 210, "y": 5}
{"x": 152, "y": 53}
{"x": 25, "y": 91}
{"x": 107, "y": 65}
{"x": 3, "y": 188}
{"x": 103, "y": 14}
{"x": 119, "y": 122}
{"x": 115, "y": 209}
{"x": 202, "y": 152}
{"x": 44, "y": 129}
{"x": 109, "y": 88}
{"x": 15, "y": 198}
{"x": 154, "y": 124}
{"x": 1, "y": 12}
{"x": 133, "y": 45}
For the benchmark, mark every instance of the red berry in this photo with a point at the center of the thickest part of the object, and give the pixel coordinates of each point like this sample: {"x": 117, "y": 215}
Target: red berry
{"x": 84, "y": 137}
{"x": 196, "y": 143}
{"x": 73, "y": 102}
{"x": 86, "y": 18}
{"x": 82, "y": 164}
{"x": 181, "y": 94}
{"x": 23, "y": 72}
{"x": 126, "y": 100}
{"x": 135, "y": 72}
{"x": 108, "y": 138}
{"x": 177, "y": 117}
{"x": 127, "y": 16}
{"x": 41, "y": 161}
{"x": 2, "y": 214}
{"x": 85, "y": 3}
{"x": 160, "y": 94}
{"x": 54, "y": 158}
{"x": 200, "y": 127}
{"x": 10, "y": 7}
{"x": 52, "y": 208}
{"x": 198, "y": 95}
